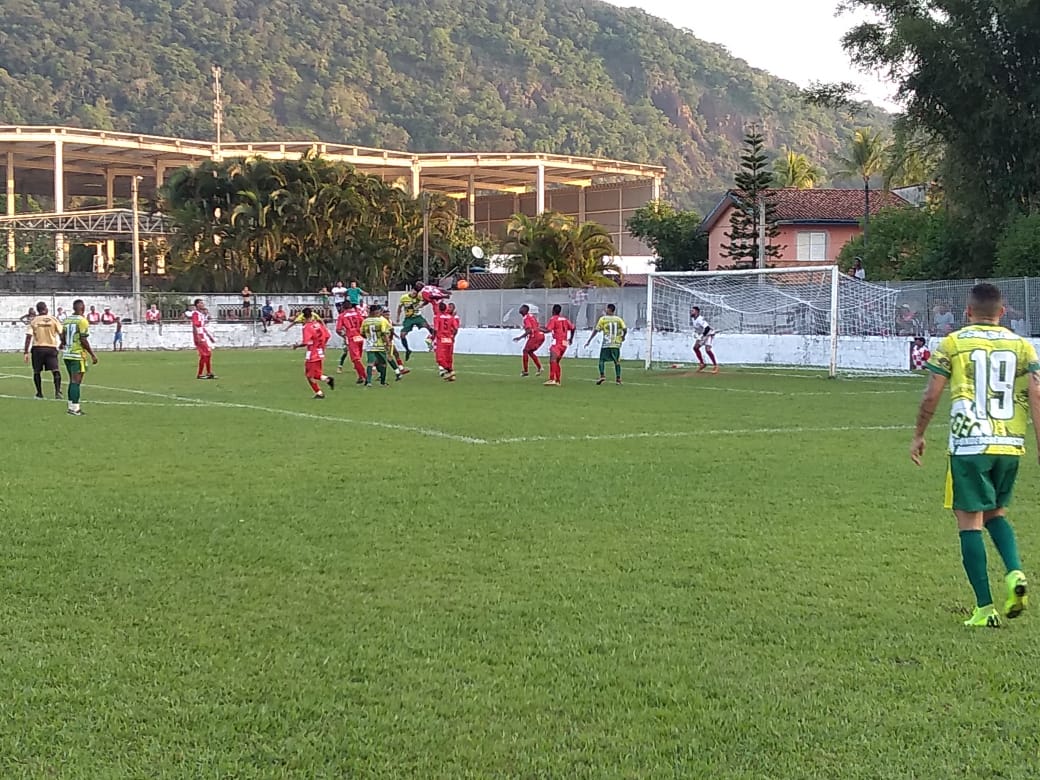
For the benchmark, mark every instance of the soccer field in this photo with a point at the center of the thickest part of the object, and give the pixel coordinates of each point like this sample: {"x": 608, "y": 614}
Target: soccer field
{"x": 733, "y": 576}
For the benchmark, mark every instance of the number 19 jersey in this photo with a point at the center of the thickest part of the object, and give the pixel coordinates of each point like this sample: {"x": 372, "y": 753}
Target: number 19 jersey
{"x": 988, "y": 367}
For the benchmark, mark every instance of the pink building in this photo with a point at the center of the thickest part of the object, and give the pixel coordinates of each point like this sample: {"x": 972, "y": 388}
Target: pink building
{"x": 814, "y": 224}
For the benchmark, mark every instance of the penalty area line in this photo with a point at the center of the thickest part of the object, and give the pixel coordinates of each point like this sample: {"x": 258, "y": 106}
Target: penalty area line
{"x": 685, "y": 434}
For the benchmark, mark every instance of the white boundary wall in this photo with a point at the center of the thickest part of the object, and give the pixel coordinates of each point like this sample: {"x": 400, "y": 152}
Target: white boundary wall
{"x": 867, "y": 352}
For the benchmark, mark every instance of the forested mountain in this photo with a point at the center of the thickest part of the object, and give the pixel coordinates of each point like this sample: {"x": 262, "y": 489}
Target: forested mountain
{"x": 570, "y": 76}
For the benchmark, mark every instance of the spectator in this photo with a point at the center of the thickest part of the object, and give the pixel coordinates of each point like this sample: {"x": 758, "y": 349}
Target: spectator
{"x": 247, "y": 302}
{"x": 339, "y": 295}
{"x": 907, "y": 323}
{"x": 117, "y": 339}
{"x": 355, "y": 293}
{"x": 153, "y": 316}
{"x": 108, "y": 318}
{"x": 28, "y": 316}
{"x": 1017, "y": 321}
{"x": 944, "y": 321}
{"x": 93, "y": 317}
{"x": 266, "y": 314}
{"x": 857, "y": 270}
{"x": 280, "y": 316}
{"x": 61, "y": 314}
{"x": 919, "y": 354}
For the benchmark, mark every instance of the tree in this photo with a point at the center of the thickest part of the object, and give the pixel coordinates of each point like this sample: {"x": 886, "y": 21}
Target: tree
{"x": 865, "y": 158}
{"x": 793, "y": 169}
{"x": 1018, "y": 251}
{"x": 674, "y": 236}
{"x": 752, "y": 206}
{"x": 967, "y": 74}
{"x": 553, "y": 250}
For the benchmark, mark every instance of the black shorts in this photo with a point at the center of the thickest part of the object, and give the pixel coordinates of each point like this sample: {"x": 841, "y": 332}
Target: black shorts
{"x": 44, "y": 359}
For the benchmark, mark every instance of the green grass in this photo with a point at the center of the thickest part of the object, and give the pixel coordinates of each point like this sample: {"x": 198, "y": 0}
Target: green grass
{"x": 750, "y": 580}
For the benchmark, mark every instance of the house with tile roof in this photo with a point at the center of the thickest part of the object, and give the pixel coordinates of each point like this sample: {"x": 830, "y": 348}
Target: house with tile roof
{"x": 814, "y": 224}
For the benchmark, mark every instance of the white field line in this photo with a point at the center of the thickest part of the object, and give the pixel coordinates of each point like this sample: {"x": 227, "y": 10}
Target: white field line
{"x": 104, "y": 403}
{"x": 182, "y": 401}
{"x": 432, "y": 432}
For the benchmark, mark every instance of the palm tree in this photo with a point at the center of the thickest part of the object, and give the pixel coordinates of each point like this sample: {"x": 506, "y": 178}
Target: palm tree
{"x": 865, "y": 158}
{"x": 794, "y": 170}
{"x": 553, "y": 250}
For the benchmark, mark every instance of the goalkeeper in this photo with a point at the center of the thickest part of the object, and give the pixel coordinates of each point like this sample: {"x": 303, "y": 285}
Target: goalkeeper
{"x": 705, "y": 339}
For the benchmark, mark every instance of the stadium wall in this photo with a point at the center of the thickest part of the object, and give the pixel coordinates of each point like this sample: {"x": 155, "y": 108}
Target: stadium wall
{"x": 871, "y": 353}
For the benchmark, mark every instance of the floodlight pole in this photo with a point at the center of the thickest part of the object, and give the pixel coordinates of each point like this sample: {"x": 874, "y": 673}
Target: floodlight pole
{"x": 426, "y": 238}
{"x": 135, "y": 183}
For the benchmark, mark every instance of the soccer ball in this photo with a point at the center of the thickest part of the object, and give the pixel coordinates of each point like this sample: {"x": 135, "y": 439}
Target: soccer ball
{"x": 462, "y": 284}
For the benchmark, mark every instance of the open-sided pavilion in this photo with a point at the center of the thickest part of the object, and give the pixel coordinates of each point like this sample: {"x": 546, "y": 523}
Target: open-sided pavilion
{"x": 58, "y": 164}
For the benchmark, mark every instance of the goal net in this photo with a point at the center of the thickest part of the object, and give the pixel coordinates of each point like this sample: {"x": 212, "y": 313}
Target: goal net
{"x": 809, "y": 316}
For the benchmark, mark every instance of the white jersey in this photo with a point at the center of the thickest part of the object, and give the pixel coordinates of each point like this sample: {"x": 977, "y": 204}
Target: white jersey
{"x": 339, "y": 294}
{"x": 700, "y": 326}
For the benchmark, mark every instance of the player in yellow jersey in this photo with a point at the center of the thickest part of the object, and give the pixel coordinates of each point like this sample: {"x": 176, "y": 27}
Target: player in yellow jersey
{"x": 412, "y": 302}
{"x": 378, "y": 335}
{"x": 75, "y": 346}
{"x": 994, "y": 378}
{"x": 614, "y": 331}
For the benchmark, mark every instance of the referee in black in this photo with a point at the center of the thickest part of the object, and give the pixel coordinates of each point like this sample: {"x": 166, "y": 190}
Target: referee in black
{"x": 43, "y": 334}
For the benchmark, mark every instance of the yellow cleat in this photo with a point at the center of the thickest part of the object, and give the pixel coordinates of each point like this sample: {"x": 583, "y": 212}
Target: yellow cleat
{"x": 984, "y": 617}
{"x": 1016, "y": 589}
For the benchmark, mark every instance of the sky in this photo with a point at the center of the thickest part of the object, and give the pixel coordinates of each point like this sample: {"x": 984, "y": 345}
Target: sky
{"x": 762, "y": 45}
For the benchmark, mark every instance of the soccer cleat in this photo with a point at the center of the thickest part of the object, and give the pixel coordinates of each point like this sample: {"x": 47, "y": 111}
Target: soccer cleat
{"x": 538, "y": 372}
{"x": 551, "y": 383}
{"x": 368, "y": 384}
{"x": 331, "y": 382}
{"x": 339, "y": 369}
{"x": 617, "y": 381}
{"x": 211, "y": 376}
{"x": 360, "y": 382}
{"x": 715, "y": 370}
{"x": 601, "y": 380}
{"x": 524, "y": 373}
{"x": 1016, "y": 599}
{"x": 701, "y": 367}
{"x": 318, "y": 395}
{"x": 984, "y": 617}
{"x": 38, "y": 396}
{"x": 407, "y": 354}
{"x": 405, "y": 371}
{"x": 75, "y": 412}
{"x": 58, "y": 396}
{"x": 201, "y": 376}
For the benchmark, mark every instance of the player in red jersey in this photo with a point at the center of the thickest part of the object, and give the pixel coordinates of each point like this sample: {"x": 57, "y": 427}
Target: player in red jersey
{"x": 204, "y": 340}
{"x": 315, "y": 337}
{"x": 431, "y": 294}
{"x": 562, "y": 330}
{"x": 348, "y": 326}
{"x": 445, "y": 328}
{"x": 535, "y": 339}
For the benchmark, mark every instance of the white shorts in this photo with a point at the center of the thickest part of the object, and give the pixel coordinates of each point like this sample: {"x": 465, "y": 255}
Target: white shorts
{"x": 704, "y": 341}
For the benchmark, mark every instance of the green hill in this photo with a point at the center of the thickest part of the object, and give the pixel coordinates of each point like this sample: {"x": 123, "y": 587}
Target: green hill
{"x": 569, "y": 76}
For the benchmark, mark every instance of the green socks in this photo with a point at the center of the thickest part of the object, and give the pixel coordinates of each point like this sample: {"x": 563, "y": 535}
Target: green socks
{"x": 602, "y": 365}
{"x": 74, "y": 392}
{"x": 617, "y": 370}
{"x": 973, "y": 553}
{"x": 1003, "y": 536}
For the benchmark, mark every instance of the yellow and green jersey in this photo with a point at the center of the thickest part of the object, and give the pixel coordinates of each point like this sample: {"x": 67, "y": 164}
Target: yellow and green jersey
{"x": 376, "y": 332}
{"x": 76, "y": 329}
{"x": 613, "y": 329}
{"x": 988, "y": 367}
{"x": 299, "y": 319}
{"x": 412, "y": 303}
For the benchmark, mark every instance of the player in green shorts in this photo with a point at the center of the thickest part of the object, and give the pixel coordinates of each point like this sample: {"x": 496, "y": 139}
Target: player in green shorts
{"x": 614, "y": 331}
{"x": 994, "y": 379}
{"x": 377, "y": 333}
{"x": 75, "y": 347}
{"x": 411, "y": 303}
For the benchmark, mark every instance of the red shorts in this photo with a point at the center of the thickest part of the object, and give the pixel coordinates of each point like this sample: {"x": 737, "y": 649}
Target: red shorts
{"x": 558, "y": 350}
{"x": 355, "y": 348}
{"x": 534, "y": 342}
{"x": 443, "y": 349}
{"x": 315, "y": 369}
{"x": 203, "y": 348}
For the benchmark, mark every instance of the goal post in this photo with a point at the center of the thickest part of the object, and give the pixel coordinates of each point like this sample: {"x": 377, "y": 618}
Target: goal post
{"x": 805, "y": 316}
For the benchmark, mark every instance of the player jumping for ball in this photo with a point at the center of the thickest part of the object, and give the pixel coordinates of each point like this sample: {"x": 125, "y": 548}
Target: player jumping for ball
{"x": 315, "y": 337}
{"x": 411, "y": 303}
{"x": 535, "y": 339}
{"x": 705, "y": 338}
{"x": 994, "y": 378}
{"x": 614, "y": 331}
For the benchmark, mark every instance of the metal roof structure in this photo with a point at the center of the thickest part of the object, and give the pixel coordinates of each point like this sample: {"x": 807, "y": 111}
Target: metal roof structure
{"x": 60, "y": 163}
{"x": 87, "y": 225}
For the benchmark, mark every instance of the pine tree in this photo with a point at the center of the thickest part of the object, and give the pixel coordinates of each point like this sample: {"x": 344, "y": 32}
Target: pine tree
{"x": 753, "y": 181}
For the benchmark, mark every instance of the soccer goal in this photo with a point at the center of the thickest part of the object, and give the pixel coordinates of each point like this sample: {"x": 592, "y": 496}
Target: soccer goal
{"x": 806, "y": 316}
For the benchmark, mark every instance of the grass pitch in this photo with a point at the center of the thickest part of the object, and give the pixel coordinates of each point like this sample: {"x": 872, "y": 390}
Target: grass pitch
{"x": 739, "y": 576}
